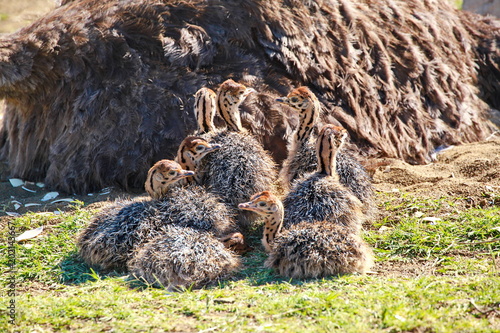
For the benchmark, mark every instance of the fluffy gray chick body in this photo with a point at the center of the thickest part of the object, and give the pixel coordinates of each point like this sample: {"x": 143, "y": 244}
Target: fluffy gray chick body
{"x": 319, "y": 249}
{"x": 240, "y": 168}
{"x": 183, "y": 257}
{"x": 318, "y": 197}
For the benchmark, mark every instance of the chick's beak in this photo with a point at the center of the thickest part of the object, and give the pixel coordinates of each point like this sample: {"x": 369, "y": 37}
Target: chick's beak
{"x": 283, "y": 100}
{"x": 245, "y": 206}
{"x": 214, "y": 147}
{"x": 249, "y": 91}
{"x": 184, "y": 174}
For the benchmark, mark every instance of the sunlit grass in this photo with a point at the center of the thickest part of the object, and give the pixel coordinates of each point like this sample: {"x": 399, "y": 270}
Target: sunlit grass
{"x": 424, "y": 236}
{"x": 345, "y": 304}
{"x": 458, "y": 3}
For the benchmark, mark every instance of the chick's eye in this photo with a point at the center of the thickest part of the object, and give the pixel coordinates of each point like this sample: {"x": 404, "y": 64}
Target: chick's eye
{"x": 200, "y": 148}
{"x": 261, "y": 204}
{"x": 172, "y": 173}
{"x": 294, "y": 99}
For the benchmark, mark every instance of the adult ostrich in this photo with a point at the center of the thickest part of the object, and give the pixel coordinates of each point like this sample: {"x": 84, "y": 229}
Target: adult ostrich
{"x": 97, "y": 90}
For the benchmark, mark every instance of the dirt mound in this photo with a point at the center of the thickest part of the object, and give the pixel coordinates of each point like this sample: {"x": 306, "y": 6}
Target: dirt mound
{"x": 470, "y": 171}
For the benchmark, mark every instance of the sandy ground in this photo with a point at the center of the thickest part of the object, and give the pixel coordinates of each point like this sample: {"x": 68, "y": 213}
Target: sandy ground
{"x": 15, "y": 14}
{"x": 470, "y": 172}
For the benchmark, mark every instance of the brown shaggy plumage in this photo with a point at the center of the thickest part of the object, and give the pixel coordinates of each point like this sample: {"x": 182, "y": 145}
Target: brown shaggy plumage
{"x": 98, "y": 90}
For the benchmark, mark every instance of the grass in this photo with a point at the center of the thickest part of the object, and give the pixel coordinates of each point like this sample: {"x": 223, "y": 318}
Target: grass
{"x": 474, "y": 230}
{"x": 348, "y": 304}
{"x": 456, "y": 287}
{"x": 458, "y": 3}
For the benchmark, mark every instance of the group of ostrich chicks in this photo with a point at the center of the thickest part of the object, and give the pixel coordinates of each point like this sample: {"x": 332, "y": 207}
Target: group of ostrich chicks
{"x": 222, "y": 183}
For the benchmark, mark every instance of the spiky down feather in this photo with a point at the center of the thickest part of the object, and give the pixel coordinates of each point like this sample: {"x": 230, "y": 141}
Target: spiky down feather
{"x": 319, "y": 249}
{"x": 183, "y": 257}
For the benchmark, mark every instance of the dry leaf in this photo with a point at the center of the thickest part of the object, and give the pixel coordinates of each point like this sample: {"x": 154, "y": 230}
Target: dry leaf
{"x": 418, "y": 214}
{"x": 431, "y": 219}
{"x": 17, "y": 204}
{"x": 63, "y": 200}
{"x": 13, "y": 214}
{"x": 384, "y": 229}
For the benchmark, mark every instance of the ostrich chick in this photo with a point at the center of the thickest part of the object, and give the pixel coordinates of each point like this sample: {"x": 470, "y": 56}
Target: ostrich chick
{"x": 160, "y": 176}
{"x": 271, "y": 208}
{"x": 308, "y": 249}
{"x": 302, "y": 153}
{"x": 107, "y": 241}
{"x": 241, "y": 167}
{"x": 205, "y": 108}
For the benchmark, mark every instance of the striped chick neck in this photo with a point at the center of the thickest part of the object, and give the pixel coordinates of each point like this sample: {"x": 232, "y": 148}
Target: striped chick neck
{"x": 229, "y": 97}
{"x": 204, "y": 109}
{"x": 330, "y": 140}
{"x": 271, "y": 208}
{"x": 307, "y": 104}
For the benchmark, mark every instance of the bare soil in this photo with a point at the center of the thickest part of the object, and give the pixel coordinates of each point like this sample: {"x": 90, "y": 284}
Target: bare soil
{"x": 470, "y": 172}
